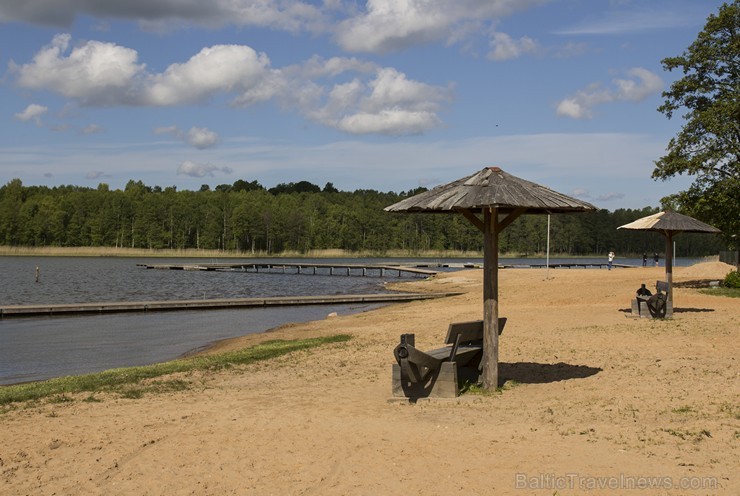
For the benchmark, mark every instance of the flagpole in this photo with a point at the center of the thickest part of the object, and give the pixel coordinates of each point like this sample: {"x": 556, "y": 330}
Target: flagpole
{"x": 547, "y": 263}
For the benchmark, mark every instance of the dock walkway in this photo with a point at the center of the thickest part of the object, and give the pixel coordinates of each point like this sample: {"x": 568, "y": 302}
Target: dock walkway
{"x": 151, "y": 306}
{"x": 299, "y": 268}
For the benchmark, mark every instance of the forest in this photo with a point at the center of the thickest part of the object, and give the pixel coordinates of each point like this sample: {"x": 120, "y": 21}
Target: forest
{"x": 245, "y": 217}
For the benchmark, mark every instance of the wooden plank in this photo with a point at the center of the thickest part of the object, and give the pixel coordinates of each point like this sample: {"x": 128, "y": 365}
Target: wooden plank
{"x": 150, "y": 306}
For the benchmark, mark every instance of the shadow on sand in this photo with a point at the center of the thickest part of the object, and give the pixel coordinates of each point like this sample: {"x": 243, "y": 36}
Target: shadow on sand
{"x": 541, "y": 373}
{"x": 692, "y": 310}
{"x": 676, "y": 310}
{"x": 695, "y": 283}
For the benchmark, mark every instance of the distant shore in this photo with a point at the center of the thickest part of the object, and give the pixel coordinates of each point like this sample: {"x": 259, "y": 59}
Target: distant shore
{"x": 109, "y": 251}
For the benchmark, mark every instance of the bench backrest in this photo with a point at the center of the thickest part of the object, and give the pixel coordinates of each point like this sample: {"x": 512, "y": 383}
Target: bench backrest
{"x": 661, "y": 286}
{"x": 469, "y": 331}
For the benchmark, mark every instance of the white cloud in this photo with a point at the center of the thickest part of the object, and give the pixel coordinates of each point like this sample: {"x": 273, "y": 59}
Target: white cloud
{"x": 582, "y": 193}
{"x": 504, "y": 47}
{"x": 192, "y": 169}
{"x": 374, "y": 26}
{"x": 95, "y": 175}
{"x": 635, "y": 91}
{"x": 610, "y": 196}
{"x": 94, "y": 73}
{"x": 378, "y": 100}
{"x": 390, "y": 104}
{"x": 643, "y": 85}
{"x": 390, "y": 122}
{"x": 202, "y": 138}
{"x": 289, "y": 15}
{"x": 391, "y": 25}
{"x": 570, "y": 107}
{"x": 198, "y": 137}
{"x": 217, "y": 69}
{"x": 32, "y": 112}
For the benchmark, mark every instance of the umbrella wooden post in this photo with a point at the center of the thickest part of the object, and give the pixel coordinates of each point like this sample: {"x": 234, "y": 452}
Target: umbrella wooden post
{"x": 489, "y": 375}
{"x": 669, "y": 268}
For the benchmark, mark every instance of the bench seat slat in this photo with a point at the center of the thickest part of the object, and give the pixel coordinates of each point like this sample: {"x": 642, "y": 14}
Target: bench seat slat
{"x": 462, "y": 350}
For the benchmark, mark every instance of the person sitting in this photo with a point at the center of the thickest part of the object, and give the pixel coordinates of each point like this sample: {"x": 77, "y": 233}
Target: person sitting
{"x": 643, "y": 291}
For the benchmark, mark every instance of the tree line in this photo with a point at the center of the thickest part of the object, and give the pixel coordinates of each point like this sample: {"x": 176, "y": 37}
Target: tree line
{"x": 247, "y": 218}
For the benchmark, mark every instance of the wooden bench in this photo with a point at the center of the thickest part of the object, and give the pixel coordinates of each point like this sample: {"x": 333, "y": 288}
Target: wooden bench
{"x": 439, "y": 372}
{"x": 653, "y": 305}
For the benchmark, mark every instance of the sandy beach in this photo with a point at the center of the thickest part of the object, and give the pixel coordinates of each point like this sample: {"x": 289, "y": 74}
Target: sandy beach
{"x": 594, "y": 403}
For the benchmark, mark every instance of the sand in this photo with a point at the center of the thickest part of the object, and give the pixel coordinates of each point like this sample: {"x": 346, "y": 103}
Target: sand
{"x": 595, "y": 403}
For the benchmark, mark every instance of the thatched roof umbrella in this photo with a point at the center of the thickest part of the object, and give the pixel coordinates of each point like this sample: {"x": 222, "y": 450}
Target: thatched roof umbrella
{"x": 669, "y": 224}
{"x": 500, "y": 198}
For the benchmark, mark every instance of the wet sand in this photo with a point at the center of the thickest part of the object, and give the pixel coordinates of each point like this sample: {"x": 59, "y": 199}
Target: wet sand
{"x": 595, "y": 403}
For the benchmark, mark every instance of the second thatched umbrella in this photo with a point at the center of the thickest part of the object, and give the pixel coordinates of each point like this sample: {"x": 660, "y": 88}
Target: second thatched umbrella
{"x": 669, "y": 224}
{"x": 500, "y": 198}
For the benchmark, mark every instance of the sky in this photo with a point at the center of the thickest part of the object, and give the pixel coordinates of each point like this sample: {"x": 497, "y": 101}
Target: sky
{"x": 380, "y": 94}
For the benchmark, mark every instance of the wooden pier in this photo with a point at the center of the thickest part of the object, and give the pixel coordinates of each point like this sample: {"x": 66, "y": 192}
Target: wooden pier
{"x": 152, "y": 306}
{"x": 299, "y": 268}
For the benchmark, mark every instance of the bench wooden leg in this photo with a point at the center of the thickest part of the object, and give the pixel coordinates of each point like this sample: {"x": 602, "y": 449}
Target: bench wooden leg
{"x": 443, "y": 384}
{"x": 397, "y": 381}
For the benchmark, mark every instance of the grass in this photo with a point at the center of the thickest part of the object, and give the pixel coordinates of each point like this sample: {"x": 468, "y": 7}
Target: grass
{"x": 684, "y": 409}
{"x": 721, "y": 291}
{"x": 688, "y": 435}
{"x": 121, "y": 379}
{"x": 471, "y": 388}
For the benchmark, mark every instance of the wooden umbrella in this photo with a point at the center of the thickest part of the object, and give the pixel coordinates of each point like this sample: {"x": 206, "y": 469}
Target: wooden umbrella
{"x": 669, "y": 224}
{"x": 500, "y": 198}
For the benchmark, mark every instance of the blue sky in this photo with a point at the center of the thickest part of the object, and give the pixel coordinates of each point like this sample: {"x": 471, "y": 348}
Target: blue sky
{"x": 379, "y": 94}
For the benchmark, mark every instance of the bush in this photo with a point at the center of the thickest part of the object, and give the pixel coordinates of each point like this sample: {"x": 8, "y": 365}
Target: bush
{"x": 732, "y": 279}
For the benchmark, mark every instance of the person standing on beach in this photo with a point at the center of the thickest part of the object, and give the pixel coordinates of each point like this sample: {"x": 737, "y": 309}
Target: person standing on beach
{"x": 644, "y": 259}
{"x": 611, "y": 259}
{"x": 656, "y": 257}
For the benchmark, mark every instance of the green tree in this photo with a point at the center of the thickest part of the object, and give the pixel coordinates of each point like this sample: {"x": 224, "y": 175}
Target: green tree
{"x": 708, "y": 145}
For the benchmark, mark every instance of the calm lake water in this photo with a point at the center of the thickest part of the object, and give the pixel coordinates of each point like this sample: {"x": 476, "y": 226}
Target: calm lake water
{"x": 37, "y": 348}
{"x": 44, "y": 347}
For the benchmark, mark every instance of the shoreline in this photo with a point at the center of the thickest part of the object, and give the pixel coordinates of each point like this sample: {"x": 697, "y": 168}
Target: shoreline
{"x": 215, "y": 347}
